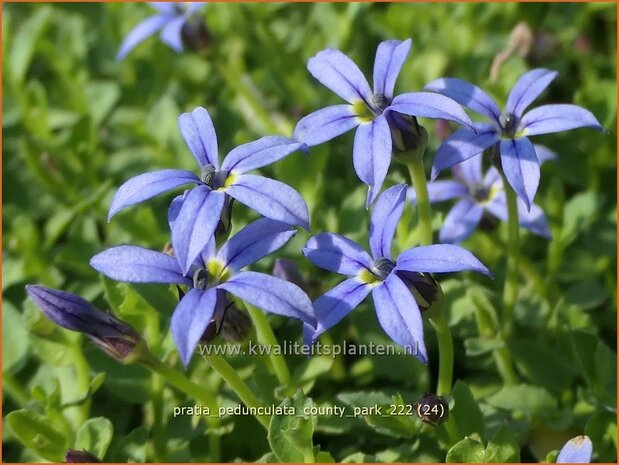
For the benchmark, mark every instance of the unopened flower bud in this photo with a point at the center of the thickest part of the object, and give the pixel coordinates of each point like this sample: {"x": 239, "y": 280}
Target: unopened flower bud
{"x": 425, "y": 289}
{"x": 432, "y": 409}
{"x": 288, "y": 271}
{"x": 80, "y": 456}
{"x": 228, "y": 321}
{"x": 115, "y": 337}
{"x": 196, "y": 34}
{"x": 406, "y": 133}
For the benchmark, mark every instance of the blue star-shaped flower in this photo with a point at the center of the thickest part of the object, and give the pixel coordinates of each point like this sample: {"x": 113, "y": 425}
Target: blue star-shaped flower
{"x": 212, "y": 275}
{"x": 481, "y": 194}
{"x": 375, "y": 113}
{"x": 396, "y": 308}
{"x": 509, "y": 129}
{"x": 170, "y": 20}
{"x": 197, "y": 213}
{"x": 576, "y": 450}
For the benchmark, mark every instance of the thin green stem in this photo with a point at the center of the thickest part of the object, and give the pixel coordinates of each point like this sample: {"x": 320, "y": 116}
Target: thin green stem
{"x": 487, "y": 327}
{"x": 445, "y": 353}
{"x": 510, "y": 288}
{"x": 184, "y": 384}
{"x": 267, "y": 337}
{"x": 418, "y": 179}
{"x": 159, "y": 440}
{"x": 82, "y": 378}
{"x": 234, "y": 381}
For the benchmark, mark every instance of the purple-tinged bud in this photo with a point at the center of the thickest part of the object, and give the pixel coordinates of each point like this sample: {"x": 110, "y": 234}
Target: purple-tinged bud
{"x": 432, "y": 409}
{"x": 406, "y": 134}
{"x": 115, "y": 337}
{"x": 288, "y": 271}
{"x": 425, "y": 289}
{"x": 196, "y": 34}
{"x": 228, "y": 321}
{"x": 80, "y": 456}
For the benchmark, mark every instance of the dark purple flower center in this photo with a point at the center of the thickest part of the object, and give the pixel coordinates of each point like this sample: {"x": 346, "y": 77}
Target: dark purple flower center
{"x": 382, "y": 267}
{"x": 200, "y": 279}
{"x": 509, "y": 124}
{"x": 213, "y": 177}
{"x": 479, "y": 192}
{"x": 379, "y": 103}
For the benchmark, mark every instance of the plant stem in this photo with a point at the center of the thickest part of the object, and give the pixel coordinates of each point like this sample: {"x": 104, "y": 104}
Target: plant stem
{"x": 234, "y": 381}
{"x": 445, "y": 353}
{"x": 510, "y": 288}
{"x": 184, "y": 384}
{"x": 82, "y": 378}
{"x": 267, "y": 337}
{"x": 418, "y": 179}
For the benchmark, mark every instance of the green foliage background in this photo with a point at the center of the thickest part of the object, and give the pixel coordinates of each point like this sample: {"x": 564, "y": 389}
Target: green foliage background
{"x": 76, "y": 124}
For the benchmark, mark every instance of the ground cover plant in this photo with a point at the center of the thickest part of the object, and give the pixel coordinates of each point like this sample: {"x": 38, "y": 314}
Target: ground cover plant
{"x": 309, "y": 232}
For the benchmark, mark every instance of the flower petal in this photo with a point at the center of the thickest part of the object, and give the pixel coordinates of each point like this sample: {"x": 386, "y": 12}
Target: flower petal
{"x": 469, "y": 171}
{"x": 521, "y": 167}
{"x": 461, "y": 221}
{"x": 270, "y": 198}
{"x": 147, "y": 185}
{"x": 199, "y": 135}
{"x": 556, "y": 118}
{"x": 254, "y": 241}
{"x": 399, "y": 315}
{"x": 492, "y": 179}
{"x": 462, "y": 145}
{"x": 527, "y": 89}
{"x": 372, "y": 155}
{"x": 429, "y": 105}
{"x": 438, "y": 191}
{"x": 384, "y": 220}
{"x": 260, "y": 153}
{"x": 534, "y": 220}
{"x": 331, "y": 307}
{"x": 439, "y": 258}
{"x": 544, "y": 154}
{"x": 340, "y": 74}
{"x": 175, "y": 208}
{"x": 195, "y": 224}
{"x": 390, "y": 57}
{"x": 271, "y": 294}
{"x": 141, "y": 32}
{"x": 190, "y": 319}
{"x": 468, "y": 95}
{"x": 171, "y": 34}
{"x": 138, "y": 265}
{"x": 337, "y": 253}
{"x": 576, "y": 450}
{"x": 325, "y": 124}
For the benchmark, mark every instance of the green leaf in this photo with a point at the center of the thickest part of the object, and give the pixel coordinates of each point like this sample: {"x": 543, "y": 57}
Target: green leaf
{"x": 587, "y": 294}
{"x": 533, "y": 358}
{"x": 502, "y": 448}
{"x": 102, "y": 97}
{"x": 290, "y": 436}
{"x": 602, "y": 429}
{"x": 475, "y": 346}
{"x": 95, "y": 436}
{"x": 466, "y": 451}
{"x": 24, "y": 43}
{"x": 39, "y": 434}
{"x": 524, "y": 398}
{"x": 15, "y": 340}
{"x": 466, "y": 411}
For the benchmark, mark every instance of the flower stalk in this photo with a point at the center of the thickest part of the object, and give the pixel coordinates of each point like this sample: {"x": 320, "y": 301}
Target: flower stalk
{"x": 266, "y": 336}
{"x": 418, "y": 179}
{"x": 510, "y": 288}
{"x": 234, "y": 381}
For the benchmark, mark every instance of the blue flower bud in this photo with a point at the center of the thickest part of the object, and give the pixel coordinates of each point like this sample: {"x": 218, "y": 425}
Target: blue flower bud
{"x": 115, "y": 337}
{"x": 80, "y": 456}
